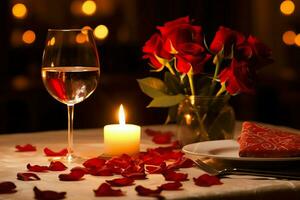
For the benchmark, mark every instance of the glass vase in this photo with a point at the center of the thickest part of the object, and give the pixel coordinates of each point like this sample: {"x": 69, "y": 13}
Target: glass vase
{"x": 201, "y": 118}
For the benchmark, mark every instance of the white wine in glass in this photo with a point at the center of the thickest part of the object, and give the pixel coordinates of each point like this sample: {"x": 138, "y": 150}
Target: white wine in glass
{"x": 70, "y": 70}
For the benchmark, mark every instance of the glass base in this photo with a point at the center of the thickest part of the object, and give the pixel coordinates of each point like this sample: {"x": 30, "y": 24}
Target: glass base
{"x": 68, "y": 159}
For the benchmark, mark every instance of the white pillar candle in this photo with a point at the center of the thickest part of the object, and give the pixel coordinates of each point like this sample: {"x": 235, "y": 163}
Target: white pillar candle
{"x": 121, "y": 138}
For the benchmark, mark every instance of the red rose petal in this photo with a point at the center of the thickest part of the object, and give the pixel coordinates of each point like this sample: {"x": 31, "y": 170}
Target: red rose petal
{"x": 135, "y": 175}
{"x": 37, "y": 168}
{"x": 94, "y": 163}
{"x": 121, "y": 182}
{"x": 135, "y": 168}
{"x": 48, "y": 194}
{"x": 175, "y": 176}
{"x": 105, "y": 190}
{"x": 7, "y": 187}
{"x": 104, "y": 171}
{"x": 25, "y": 148}
{"x": 173, "y": 146}
{"x": 49, "y": 152}
{"x": 151, "y": 132}
{"x": 181, "y": 163}
{"x": 152, "y": 169}
{"x": 171, "y": 186}
{"x": 27, "y": 177}
{"x": 173, "y": 155}
{"x": 162, "y": 138}
{"x": 122, "y": 161}
{"x": 74, "y": 175}
{"x": 142, "y": 191}
{"x": 57, "y": 166}
{"x": 84, "y": 170}
{"x": 206, "y": 180}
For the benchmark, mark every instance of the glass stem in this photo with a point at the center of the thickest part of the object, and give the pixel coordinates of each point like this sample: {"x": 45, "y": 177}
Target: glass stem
{"x": 70, "y": 131}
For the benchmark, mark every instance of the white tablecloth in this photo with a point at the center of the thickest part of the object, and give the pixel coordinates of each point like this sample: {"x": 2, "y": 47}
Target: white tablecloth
{"x": 88, "y": 143}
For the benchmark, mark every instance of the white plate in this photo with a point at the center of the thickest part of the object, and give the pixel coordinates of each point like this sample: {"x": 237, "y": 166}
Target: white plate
{"x": 225, "y": 150}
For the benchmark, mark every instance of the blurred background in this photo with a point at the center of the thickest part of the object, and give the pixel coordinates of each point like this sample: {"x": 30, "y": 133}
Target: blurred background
{"x": 121, "y": 27}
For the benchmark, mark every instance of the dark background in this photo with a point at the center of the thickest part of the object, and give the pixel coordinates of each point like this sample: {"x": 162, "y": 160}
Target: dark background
{"x": 26, "y": 106}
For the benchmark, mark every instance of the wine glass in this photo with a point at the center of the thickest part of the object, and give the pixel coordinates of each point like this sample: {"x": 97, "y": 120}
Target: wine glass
{"x": 70, "y": 70}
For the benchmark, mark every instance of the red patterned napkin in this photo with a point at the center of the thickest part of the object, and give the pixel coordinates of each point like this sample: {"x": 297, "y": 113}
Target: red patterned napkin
{"x": 260, "y": 141}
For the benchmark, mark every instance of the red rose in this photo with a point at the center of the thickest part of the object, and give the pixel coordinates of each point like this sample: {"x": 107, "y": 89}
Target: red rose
{"x": 238, "y": 77}
{"x": 226, "y": 38}
{"x": 193, "y": 57}
{"x": 178, "y": 32}
{"x": 185, "y": 40}
{"x": 155, "y": 52}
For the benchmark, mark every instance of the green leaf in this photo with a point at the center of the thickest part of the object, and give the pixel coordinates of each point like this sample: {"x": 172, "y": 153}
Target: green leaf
{"x": 153, "y": 87}
{"x": 173, "y": 83}
{"x": 166, "y": 100}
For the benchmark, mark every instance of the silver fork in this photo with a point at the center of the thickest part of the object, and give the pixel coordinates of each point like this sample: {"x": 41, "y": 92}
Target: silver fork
{"x": 241, "y": 171}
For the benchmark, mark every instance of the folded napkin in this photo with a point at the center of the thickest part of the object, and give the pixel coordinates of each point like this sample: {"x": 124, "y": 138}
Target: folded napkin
{"x": 260, "y": 141}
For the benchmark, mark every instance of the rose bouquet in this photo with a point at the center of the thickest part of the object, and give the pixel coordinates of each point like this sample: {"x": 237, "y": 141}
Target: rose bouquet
{"x": 192, "y": 68}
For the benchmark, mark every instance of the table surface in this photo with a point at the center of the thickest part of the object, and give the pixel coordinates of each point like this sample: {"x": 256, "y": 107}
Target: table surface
{"x": 89, "y": 143}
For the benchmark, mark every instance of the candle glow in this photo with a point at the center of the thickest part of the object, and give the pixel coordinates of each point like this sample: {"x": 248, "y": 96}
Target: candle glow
{"x": 121, "y": 138}
{"x": 121, "y": 115}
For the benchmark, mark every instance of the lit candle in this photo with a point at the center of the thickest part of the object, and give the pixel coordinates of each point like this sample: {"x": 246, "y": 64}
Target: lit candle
{"x": 121, "y": 138}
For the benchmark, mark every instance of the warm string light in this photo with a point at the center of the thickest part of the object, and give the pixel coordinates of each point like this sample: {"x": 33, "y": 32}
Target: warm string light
{"x": 288, "y": 37}
{"x": 19, "y": 11}
{"x": 101, "y": 32}
{"x": 287, "y": 7}
{"x": 89, "y": 7}
{"x": 28, "y": 37}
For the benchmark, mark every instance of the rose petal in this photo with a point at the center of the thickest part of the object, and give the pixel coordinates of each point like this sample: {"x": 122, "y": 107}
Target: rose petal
{"x": 57, "y": 166}
{"x": 94, "y": 163}
{"x": 135, "y": 168}
{"x": 173, "y": 146}
{"x": 151, "y": 157}
{"x": 175, "y": 176}
{"x": 105, "y": 190}
{"x": 37, "y": 168}
{"x": 84, "y": 170}
{"x": 104, "y": 171}
{"x": 122, "y": 161}
{"x": 7, "y": 187}
{"x": 164, "y": 138}
{"x": 48, "y": 194}
{"x": 142, "y": 191}
{"x": 74, "y": 175}
{"x": 25, "y": 148}
{"x": 181, "y": 163}
{"x": 206, "y": 180}
{"x": 121, "y": 182}
{"x": 152, "y": 169}
{"x": 173, "y": 155}
{"x": 49, "y": 152}
{"x": 135, "y": 175}
{"x": 27, "y": 177}
{"x": 171, "y": 186}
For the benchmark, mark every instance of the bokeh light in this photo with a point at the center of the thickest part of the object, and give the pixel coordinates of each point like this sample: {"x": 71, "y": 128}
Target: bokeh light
{"x": 81, "y": 38}
{"x": 297, "y": 40}
{"x": 288, "y": 37}
{"x": 101, "y": 32}
{"x": 19, "y": 11}
{"x": 28, "y": 37}
{"x": 51, "y": 42}
{"x": 89, "y": 7}
{"x": 287, "y": 7}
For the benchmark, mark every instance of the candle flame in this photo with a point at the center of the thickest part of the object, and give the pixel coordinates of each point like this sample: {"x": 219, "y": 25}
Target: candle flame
{"x": 121, "y": 115}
